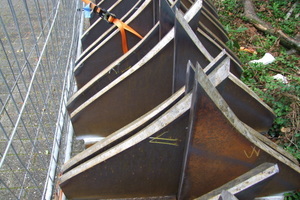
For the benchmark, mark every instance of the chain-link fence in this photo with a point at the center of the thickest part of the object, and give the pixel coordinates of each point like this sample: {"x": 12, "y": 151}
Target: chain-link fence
{"x": 38, "y": 47}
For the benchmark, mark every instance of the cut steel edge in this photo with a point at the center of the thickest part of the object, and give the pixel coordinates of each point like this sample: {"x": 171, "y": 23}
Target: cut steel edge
{"x": 249, "y": 133}
{"x": 166, "y": 39}
{"x": 104, "y": 39}
{"x": 178, "y": 109}
{"x": 123, "y": 131}
{"x": 110, "y": 67}
{"x": 244, "y": 181}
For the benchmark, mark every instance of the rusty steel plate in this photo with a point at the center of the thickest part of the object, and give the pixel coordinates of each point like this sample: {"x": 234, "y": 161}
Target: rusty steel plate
{"x": 166, "y": 17}
{"x": 246, "y": 183}
{"x": 123, "y": 133}
{"x": 135, "y": 92}
{"x": 111, "y": 48}
{"x": 107, "y": 32}
{"x": 195, "y": 49}
{"x": 122, "y": 64}
{"x": 145, "y": 165}
{"x": 210, "y": 38}
{"x": 209, "y": 18}
{"x": 122, "y": 9}
{"x": 105, "y": 3}
{"x": 211, "y": 8}
{"x": 186, "y": 4}
{"x": 222, "y": 148}
{"x": 246, "y": 105}
{"x": 152, "y": 77}
{"x": 89, "y": 52}
{"x": 114, "y": 70}
{"x": 212, "y": 25}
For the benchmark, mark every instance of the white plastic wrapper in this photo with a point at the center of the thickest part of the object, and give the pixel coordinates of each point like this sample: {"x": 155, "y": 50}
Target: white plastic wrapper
{"x": 281, "y": 78}
{"x": 266, "y": 59}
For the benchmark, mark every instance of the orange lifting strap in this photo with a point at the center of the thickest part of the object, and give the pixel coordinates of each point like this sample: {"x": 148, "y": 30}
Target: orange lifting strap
{"x": 112, "y": 19}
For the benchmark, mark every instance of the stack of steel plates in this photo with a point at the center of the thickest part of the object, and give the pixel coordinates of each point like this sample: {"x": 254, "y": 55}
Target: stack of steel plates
{"x": 170, "y": 118}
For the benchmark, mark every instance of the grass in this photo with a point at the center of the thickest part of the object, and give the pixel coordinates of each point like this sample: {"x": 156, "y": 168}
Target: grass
{"x": 275, "y": 11}
{"x": 284, "y": 99}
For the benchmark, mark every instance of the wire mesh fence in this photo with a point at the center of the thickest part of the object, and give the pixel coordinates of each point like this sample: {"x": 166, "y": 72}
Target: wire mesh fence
{"x": 38, "y": 44}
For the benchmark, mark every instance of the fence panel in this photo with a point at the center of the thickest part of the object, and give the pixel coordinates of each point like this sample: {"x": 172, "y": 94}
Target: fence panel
{"x": 38, "y": 43}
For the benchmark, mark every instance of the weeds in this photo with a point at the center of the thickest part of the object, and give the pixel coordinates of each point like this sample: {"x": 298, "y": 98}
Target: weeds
{"x": 275, "y": 11}
{"x": 292, "y": 196}
{"x": 284, "y": 99}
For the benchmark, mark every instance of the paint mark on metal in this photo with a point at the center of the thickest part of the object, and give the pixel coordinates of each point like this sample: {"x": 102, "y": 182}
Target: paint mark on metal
{"x": 167, "y": 141}
{"x": 254, "y": 151}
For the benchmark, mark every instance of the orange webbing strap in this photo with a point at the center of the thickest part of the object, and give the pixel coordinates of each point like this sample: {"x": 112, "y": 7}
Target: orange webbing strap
{"x": 121, "y": 25}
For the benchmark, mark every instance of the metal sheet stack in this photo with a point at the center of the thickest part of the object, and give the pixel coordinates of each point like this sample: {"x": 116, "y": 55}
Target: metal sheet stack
{"x": 169, "y": 119}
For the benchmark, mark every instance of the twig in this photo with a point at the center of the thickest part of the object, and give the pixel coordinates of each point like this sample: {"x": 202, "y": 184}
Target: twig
{"x": 250, "y": 14}
{"x": 278, "y": 71}
{"x": 291, "y": 11}
{"x": 291, "y": 96}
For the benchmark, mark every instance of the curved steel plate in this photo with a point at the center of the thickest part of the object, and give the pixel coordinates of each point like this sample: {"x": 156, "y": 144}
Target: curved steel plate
{"x": 103, "y": 114}
{"x": 115, "y": 69}
{"x": 213, "y": 25}
{"x": 122, "y": 64}
{"x": 145, "y": 165}
{"x": 123, "y": 133}
{"x": 245, "y": 104}
{"x": 195, "y": 49}
{"x": 122, "y": 9}
{"x": 110, "y": 48}
{"x": 222, "y": 148}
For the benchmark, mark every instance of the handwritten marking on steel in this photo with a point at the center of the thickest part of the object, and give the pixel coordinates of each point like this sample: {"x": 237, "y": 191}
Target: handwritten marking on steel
{"x": 160, "y": 140}
{"x": 254, "y": 151}
{"x": 126, "y": 69}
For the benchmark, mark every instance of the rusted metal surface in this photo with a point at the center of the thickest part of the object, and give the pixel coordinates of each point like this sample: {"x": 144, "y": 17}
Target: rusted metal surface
{"x": 248, "y": 107}
{"x": 221, "y": 148}
{"x": 201, "y": 32}
{"x": 196, "y": 48}
{"x": 170, "y": 132}
{"x": 110, "y": 49}
{"x": 186, "y": 3}
{"x": 211, "y": 24}
{"x": 122, "y": 64}
{"x": 123, "y": 133}
{"x": 122, "y": 9}
{"x": 245, "y": 104}
{"x": 244, "y": 182}
{"x": 145, "y": 165}
{"x": 166, "y": 17}
{"x": 138, "y": 89}
{"x": 210, "y": 7}
{"x": 225, "y": 195}
{"x": 114, "y": 70}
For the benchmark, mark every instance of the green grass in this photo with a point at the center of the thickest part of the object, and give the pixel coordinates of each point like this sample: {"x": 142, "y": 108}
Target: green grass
{"x": 274, "y": 12}
{"x": 284, "y": 99}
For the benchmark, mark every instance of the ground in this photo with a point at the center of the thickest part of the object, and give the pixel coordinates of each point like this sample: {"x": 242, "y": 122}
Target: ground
{"x": 284, "y": 99}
